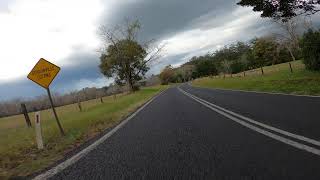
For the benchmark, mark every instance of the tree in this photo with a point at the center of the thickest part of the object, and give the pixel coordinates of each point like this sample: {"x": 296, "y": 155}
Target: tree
{"x": 288, "y": 38}
{"x": 203, "y": 66}
{"x": 185, "y": 72}
{"x": 206, "y": 67}
{"x": 310, "y": 44}
{"x": 249, "y": 59}
{"x": 237, "y": 66}
{"x": 124, "y": 58}
{"x": 166, "y": 75}
{"x": 282, "y": 9}
{"x": 264, "y": 51}
{"x": 225, "y": 64}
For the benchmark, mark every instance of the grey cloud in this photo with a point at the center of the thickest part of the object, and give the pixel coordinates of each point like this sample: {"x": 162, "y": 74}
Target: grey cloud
{"x": 84, "y": 67}
{"x": 161, "y": 19}
{"x": 165, "y": 17}
{"x": 170, "y": 60}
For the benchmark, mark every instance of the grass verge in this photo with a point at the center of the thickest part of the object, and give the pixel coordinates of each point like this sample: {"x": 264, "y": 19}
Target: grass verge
{"x": 18, "y": 153}
{"x": 277, "y": 78}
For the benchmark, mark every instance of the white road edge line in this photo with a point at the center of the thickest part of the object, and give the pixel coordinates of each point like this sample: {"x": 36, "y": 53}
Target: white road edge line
{"x": 257, "y": 129}
{"x": 55, "y": 170}
{"x": 296, "y": 136}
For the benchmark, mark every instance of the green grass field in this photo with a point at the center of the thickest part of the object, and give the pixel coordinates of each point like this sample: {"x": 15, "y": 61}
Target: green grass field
{"x": 277, "y": 78}
{"x": 18, "y": 153}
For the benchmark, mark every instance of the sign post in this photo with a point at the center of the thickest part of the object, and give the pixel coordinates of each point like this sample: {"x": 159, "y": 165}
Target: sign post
{"x": 43, "y": 74}
{"x": 54, "y": 112}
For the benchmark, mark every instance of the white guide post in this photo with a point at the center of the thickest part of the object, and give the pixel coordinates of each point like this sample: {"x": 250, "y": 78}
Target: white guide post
{"x": 38, "y": 130}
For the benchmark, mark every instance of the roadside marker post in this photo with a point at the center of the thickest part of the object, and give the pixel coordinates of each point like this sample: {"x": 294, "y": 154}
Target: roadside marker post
{"x": 43, "y": 73}
{"x": 38, "y": 130}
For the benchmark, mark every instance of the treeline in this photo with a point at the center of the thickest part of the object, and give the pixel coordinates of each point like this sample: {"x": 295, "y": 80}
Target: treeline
{"x": 243, "y": 56}
{"x": 13, "y": 107}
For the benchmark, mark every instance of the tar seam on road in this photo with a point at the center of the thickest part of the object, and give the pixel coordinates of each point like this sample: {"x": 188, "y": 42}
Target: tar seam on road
{"x": 55, "y": 170}
{"x": 225, "y": 112}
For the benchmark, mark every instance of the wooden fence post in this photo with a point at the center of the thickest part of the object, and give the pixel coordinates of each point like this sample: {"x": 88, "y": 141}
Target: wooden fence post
{"x": 291, "y": 70}
{"x": 79, "y": 105}
{"x": 262, "y": 70}
{"x": 25, "y": 113}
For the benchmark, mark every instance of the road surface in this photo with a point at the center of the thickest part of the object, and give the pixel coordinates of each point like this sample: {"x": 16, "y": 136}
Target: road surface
{"x": 223, "y": 135}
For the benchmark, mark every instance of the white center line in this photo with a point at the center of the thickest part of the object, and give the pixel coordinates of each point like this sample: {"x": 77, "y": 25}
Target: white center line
{"x": 285, "y": 140}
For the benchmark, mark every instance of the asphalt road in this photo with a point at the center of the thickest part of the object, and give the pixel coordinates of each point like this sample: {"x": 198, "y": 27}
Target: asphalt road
{"x": 177, "y": 137}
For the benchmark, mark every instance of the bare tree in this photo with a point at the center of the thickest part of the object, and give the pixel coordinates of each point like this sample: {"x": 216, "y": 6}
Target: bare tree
{"x": 290, "y": 33}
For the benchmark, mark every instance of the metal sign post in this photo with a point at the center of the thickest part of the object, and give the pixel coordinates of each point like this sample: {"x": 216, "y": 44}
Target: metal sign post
{"x": 43, "y": 73}
{"x": 55, "y": 113}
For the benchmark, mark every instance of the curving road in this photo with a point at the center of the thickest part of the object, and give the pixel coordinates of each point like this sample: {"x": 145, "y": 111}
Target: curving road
{"x": 196, "y": 133}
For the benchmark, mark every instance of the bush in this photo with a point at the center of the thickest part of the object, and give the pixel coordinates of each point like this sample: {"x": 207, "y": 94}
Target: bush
{"x": 310, "y": 44}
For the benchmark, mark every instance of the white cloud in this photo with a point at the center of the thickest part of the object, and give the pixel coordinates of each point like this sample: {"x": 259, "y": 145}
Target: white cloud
{"x": 98, "y": 83}
{"x": 32, "y": 29}
{"x": 198, "y": 40}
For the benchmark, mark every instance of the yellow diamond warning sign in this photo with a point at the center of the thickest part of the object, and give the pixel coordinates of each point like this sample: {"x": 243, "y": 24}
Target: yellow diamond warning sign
{"x": 43, "y": 73}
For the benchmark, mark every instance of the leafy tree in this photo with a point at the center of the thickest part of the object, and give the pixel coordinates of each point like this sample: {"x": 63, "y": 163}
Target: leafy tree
{"x": 206, "y": 67}
{"x": 167, "y": 75}
{"x": 264, "y": 51}
{"x": 203, "y": 66}
{"x": 125, "y": 59}
{"x": 185, "y": 72}
{"x": 283, "y": 9}
{"x": 310, "y": 44}
{"x": 283, "y": 55}
{"x": 178, "y": 77}
{"x": 249, "y": 59}
{"x": 226, "y": 67}
{"x": 237, "y": 66}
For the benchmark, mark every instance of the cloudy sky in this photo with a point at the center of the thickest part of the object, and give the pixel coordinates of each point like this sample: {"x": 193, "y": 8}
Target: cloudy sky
{"x": 65, "y": 32}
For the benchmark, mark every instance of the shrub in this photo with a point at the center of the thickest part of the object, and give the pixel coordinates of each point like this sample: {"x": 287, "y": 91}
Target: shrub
{"x": 310, "y": 44}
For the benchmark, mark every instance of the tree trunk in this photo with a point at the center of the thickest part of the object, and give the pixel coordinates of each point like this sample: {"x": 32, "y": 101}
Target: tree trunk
{"x": 131, "y": 85}
{"x": 291, "y": 70}
{"x": 262, "y": 70}
{"x": 293, "y": 59}
{"x": 244, "y": 74}
{"x": 130, "y": 81}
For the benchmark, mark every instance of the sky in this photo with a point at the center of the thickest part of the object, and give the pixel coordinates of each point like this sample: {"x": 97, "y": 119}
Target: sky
{"x": 66, "y": 32}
